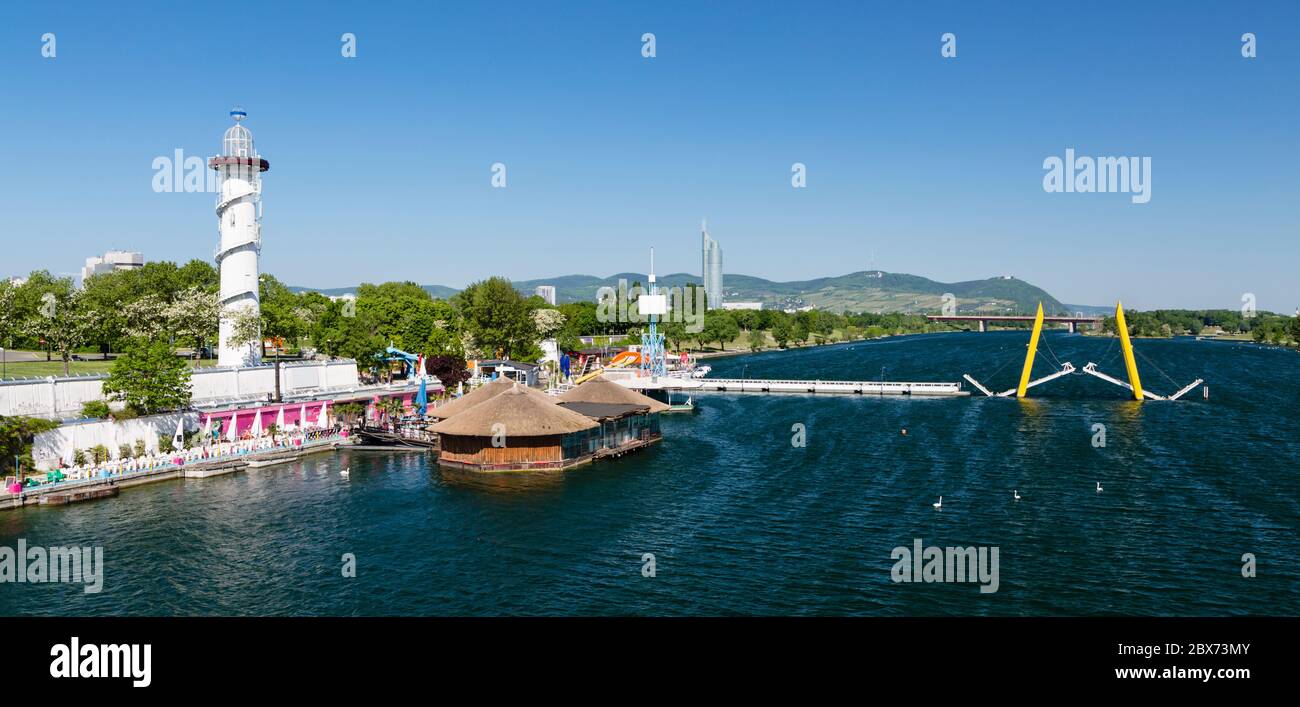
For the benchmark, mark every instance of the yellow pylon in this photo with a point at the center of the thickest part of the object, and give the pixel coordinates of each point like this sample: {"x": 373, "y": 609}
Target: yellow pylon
{"x": 1029, "y": 357}
{"x": 1127, "y": 346}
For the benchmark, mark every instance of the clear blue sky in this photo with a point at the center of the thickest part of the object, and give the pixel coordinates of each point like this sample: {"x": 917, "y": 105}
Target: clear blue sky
{"x": 380, "y": 165}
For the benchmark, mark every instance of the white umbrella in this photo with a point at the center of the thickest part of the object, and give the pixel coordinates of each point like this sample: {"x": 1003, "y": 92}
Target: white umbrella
{"x": 256, "y": 429}
{"x": 323, "y": 419}
{"x": 279, "y": 419}
{"x": 207, "y": 429}
{"x": 231, "y": 434}
{"x": 302, "y": 417}
{"x": 179, "y": 438}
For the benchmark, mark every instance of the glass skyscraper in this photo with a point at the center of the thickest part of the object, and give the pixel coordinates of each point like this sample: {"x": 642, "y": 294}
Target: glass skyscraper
{"x": 711, "y": 268}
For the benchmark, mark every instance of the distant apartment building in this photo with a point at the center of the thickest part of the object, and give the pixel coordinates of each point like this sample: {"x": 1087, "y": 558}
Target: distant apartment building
{"x": 111, "y": 261}
{"x": 546, "y": 292}
{"x": 711, "y": 268}
{"x": 743, "y": 305}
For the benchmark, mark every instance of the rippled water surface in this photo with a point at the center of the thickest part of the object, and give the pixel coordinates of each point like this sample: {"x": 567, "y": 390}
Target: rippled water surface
{"x": 742, "y": 522}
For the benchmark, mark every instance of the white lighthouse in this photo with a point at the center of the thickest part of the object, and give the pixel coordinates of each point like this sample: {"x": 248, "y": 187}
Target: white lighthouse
{"x": 239, "y": 220}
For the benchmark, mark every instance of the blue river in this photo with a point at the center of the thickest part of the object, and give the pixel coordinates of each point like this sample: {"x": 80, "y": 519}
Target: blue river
{"x": 742, "y": 519}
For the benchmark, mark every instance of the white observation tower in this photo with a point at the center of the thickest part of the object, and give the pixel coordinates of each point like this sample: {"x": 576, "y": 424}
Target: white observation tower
{"x": 239, "y": 221}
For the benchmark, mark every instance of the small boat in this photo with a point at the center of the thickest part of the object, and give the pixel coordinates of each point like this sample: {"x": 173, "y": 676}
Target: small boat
{"x": 409, "y": 438}
{"x": 701, "y": 371}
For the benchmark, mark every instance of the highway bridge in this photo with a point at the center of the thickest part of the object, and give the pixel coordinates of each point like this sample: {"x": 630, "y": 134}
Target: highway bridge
{"x": 984, "y": 319}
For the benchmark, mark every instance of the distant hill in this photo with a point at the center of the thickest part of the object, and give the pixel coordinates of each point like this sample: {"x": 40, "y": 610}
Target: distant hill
{"x": 863, "y": 291}
{"x": 438, "y": 291}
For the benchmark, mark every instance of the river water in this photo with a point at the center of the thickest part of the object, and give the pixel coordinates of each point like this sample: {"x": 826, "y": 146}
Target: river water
{"x": 741, "y": 519}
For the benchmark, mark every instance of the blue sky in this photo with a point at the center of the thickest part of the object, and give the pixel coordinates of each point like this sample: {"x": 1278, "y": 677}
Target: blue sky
{"x": 380, "y": 164}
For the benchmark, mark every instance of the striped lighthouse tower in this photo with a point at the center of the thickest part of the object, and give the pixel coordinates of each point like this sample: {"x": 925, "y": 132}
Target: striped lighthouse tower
{"x": 239, "y": 221}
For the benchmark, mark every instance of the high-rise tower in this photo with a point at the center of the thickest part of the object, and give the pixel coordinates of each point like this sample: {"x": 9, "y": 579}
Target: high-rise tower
{"x": 711, "y": 268}
{"x": 239, "y": 221}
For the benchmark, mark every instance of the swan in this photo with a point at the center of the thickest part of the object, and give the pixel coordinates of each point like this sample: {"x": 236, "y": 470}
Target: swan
{"x": 1098, "y": 487}
{"x": 939, "y": 504}
{"x": 1017, "y": 494}
{"x": 344, "y": 471}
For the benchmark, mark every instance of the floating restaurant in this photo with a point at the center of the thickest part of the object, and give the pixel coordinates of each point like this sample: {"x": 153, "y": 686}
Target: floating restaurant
{"x": 628, "y": 420}
{"x": 516, "y": 430}
{"x": 504, "y": 426}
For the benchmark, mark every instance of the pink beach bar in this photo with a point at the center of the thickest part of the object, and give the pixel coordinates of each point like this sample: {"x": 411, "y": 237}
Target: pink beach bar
{"x": 293, "y": 412}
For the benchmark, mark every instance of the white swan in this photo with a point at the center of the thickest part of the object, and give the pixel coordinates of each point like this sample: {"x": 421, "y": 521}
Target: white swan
{"x": 1017, "y": 494}
{"x": 344, "y": 471}
{"x": 1098, "y": 487}
{"x": 939, "y": 504}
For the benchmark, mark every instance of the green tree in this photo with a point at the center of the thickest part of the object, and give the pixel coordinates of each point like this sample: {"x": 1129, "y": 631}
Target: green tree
{"x": 64, "y": 322}
{"x": 719, "y": 327}
{"x": 276, "y": 304}
{"x": 674, "y": 333}
{"x": 781, "y": 330}
{"x": 192, "y": 317}
{"x": 498, "y": 318}
{"x": 11, "y": 322}
{"x": 149, "y": 378}
{"x": 245, "y": 328}
{"x": 94, "y": 409}
{"x": 16, "y": 434}
{"x": 347, "y": 331}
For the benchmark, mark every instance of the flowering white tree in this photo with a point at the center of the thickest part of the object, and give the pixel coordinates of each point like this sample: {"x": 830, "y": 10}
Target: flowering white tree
{"x": 145, "y": 317}
{"x": 64, "y": 322}
{"x": 246, "y": 328}
{"x": 193, "y": 316}
{"x": 548, "y": 322}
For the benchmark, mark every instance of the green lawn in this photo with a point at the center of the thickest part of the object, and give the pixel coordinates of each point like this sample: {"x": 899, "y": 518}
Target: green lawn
{"x": 40, "y": 369}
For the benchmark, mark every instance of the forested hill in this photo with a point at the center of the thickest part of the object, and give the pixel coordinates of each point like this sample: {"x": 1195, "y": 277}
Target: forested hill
{"x": 864, "y": 291}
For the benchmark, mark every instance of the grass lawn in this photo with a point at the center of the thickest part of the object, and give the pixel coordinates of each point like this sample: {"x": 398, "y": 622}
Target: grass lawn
{"x": 41, "y": 369}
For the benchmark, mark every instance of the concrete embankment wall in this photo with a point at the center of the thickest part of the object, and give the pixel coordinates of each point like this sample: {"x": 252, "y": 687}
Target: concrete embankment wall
{"x": 63, "y": 397}
{"x": 61, "y": 442}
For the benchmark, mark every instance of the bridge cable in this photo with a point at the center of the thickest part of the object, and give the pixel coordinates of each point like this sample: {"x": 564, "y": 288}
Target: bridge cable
{"x": 1050, "y": 352}
{"x": 1109, "y": 354}
{"x": 999, "y": 368}
{"x": 1158, "y": 369}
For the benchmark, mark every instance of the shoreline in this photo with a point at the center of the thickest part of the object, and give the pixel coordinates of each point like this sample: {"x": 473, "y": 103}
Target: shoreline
{"x": 198, "y": 470}
{"x": 726, "y": 353}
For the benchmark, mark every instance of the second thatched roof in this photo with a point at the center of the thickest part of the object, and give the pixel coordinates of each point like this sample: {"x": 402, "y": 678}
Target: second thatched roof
{"x": 480, "y": 394}
{"x": 519, "y": 412}
{"x": 602, "y": 390}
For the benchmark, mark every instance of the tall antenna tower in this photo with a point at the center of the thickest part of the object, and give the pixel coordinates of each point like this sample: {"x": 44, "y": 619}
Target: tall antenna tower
{"x": 653, "y": 305}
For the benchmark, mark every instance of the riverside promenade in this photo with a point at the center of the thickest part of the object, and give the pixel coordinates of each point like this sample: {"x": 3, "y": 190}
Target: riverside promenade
{"x": 200, "y": 462}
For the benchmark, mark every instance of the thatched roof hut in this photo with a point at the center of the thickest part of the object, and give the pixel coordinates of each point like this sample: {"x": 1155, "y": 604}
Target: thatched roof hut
{"x": 480, "y": 394}
{"x": 602, "y": 390}
{"x": 522, "y": 413}
{"x": 517, "y": 429}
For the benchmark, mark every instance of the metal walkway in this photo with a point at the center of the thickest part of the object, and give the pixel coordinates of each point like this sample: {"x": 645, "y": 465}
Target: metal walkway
{"x": 761, "y": 385}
